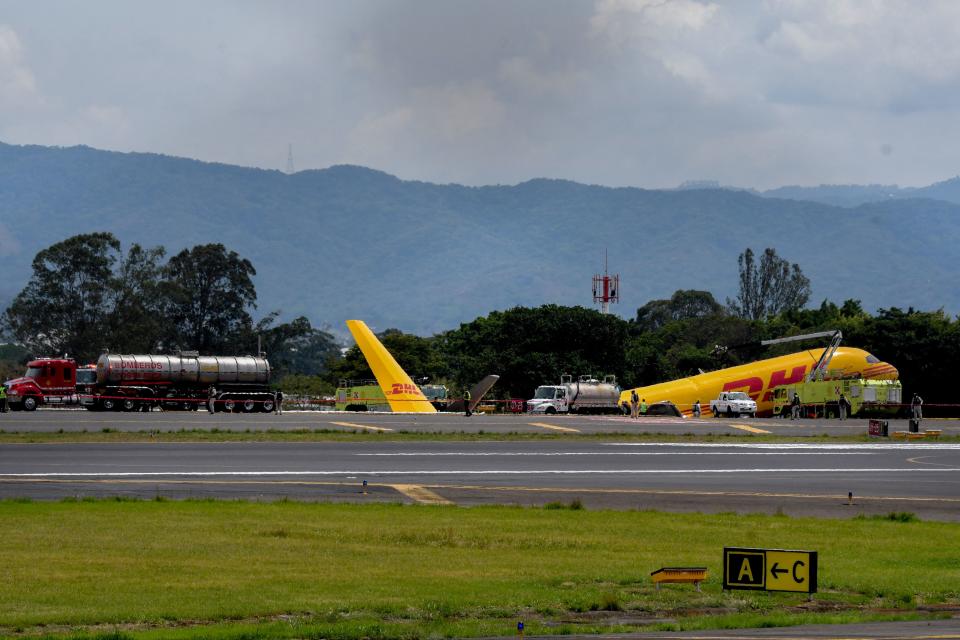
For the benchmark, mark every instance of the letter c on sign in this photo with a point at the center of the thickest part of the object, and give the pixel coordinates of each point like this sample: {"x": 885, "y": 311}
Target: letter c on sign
{"x": 796, "y": 578}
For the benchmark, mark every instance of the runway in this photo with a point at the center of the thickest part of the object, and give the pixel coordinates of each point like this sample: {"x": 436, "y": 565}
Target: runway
{"x": 52, "y": 420}
{"x": 814, "y": 478}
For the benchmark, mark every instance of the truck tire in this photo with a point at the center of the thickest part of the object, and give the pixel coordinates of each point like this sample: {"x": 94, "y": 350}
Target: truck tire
{"x": 30, "y": 403}
{"x": 267, "y": 406}
{"x": 109, "y": 404}
{"x": 550, "y": 411}
{"x": 129, "y": 404}
{"x": 716, "y": 414}
{"x": 229, "y": 405}
{"x": 249, "y": 405}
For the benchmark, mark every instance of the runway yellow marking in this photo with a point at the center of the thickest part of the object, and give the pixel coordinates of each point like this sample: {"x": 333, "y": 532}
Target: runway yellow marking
{"x": 360, "y": 426}
{"x": 685, "y": 492}
{"x": 420, "y": 494}
{"x": 746, "y": 427}
{"x": 469, "y": 487}
{"x": 554, "y": 427}
{"x": 919, "y": 460}
{"x": 803, "y": 637}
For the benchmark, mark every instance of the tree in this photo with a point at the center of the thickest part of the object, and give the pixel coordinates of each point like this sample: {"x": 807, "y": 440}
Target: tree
{"x": 416, "y": 355}
{"x": 529, "y": 347}
{"x": 294, "y": 347}
{"x": 63, "y": 308}
{"x": 770, "y": 288}
{"x": 207, "y": 292}
{"x": 684, "y": 304}
{"x": 134, "y": 321}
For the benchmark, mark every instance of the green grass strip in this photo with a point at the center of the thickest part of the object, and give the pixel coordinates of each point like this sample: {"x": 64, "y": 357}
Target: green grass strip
{"x": 222, "y": 569}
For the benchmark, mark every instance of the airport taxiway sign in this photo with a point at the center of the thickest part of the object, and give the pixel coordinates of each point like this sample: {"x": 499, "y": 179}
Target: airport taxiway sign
{"x": 770, "y": 569}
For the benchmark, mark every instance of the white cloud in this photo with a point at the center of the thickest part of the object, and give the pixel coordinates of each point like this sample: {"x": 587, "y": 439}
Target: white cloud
{"x": 17, "y": 85}
{"x": 625, "y": 20}
{"x": 443, "y": 119}
{"x": 643, "y": 92}
{"x": 523, "y": 74}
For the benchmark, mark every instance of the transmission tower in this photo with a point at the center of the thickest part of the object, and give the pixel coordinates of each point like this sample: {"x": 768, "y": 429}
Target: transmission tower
{"x": 606, "y": 288}
{"x": 290, "y": 169}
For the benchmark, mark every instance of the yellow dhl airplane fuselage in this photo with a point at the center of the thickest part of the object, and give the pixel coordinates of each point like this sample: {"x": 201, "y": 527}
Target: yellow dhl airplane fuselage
{"x": 758, "y": 379}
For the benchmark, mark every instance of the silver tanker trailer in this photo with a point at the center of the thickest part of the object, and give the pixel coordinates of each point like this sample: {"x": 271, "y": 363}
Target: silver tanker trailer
{"x": 585, "y": 395}
{"x": 183, "y": 381}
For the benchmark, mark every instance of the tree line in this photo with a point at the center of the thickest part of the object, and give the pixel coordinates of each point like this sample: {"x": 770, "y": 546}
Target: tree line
{"x": 86, "y": 295}
{"x": 665, "y": 340}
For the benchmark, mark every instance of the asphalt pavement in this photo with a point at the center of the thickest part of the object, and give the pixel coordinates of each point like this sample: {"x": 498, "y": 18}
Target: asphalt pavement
{"x": 821, "y": 477}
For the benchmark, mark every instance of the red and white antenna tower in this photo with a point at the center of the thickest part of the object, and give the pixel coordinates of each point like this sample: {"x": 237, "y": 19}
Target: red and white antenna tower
{"x": 606, "y": 288}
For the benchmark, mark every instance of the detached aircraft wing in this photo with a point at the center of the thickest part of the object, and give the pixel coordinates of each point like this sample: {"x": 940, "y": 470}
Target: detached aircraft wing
{"x": 401, "y": 393}
{"x": 476, "y": 393}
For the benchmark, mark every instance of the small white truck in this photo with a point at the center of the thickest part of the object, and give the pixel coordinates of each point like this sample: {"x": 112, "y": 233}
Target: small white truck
{"x": 733, "y": 403}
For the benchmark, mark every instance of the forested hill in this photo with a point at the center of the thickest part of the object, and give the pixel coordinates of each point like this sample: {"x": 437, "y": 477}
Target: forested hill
{"x": 349, "y": 242}
{"x": 852, "y": 195}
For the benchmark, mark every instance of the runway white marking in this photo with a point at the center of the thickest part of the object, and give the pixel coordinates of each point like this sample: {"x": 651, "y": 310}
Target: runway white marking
{"x": 548, "y": 454}
{"x": 461, "y": 472}
{"x": 796, "y": 446}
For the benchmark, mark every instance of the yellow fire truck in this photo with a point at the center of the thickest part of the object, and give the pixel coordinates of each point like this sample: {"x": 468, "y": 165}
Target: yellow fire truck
{"x": 821, "y": 398}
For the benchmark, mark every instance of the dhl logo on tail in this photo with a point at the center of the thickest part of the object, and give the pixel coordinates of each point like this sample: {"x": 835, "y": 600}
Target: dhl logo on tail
{"x": 397, "y": 386}
{"x": 758, "y": 379}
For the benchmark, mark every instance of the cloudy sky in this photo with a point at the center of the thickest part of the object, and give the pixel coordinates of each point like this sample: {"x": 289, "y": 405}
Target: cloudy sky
{"x": 646, "y": 93}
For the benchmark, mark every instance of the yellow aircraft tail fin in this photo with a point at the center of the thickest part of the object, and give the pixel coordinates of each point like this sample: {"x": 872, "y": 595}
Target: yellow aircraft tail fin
{"x": 397, "y": 386}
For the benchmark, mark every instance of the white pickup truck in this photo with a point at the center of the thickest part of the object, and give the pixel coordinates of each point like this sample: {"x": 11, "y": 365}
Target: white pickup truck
{"x": 733, "y": 403}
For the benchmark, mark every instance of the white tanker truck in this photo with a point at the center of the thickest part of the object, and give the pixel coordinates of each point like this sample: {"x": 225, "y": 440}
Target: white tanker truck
{"x": 184, "y": 381}
{"x": 585, "y": 395}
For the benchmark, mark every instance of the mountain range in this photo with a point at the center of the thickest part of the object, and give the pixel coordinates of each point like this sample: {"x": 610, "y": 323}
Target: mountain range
{"x": 352, "y": 242}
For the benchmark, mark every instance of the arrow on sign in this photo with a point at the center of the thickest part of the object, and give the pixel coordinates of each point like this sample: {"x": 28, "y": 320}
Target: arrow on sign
{"x": 776, "y": 569}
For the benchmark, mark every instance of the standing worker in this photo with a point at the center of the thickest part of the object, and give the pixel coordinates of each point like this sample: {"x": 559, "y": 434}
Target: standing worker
{"x": 211, "y": 398}
{"x": 696, "y": 409}
{"x": 466, "y": 402}
{"x": 643, "y": 406}
{"x": 278, "y": 403}
{"x": 843, "y": 406}
{"x": 634, "y": 404}
{"x": 916, "y": 407}
{"x": 795, "y": 406}
{"x": 3, "y": 398}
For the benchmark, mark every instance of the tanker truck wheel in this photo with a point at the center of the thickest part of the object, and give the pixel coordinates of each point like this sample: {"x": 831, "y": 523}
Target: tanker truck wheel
{"x": 229, "y": 405}
{"x": 129, "y": 404}
{"x": 267, "y": 406}
{"x": 109, "y": 404}
{"x": 249, "y": 406}
{"x": 30, "y": 403}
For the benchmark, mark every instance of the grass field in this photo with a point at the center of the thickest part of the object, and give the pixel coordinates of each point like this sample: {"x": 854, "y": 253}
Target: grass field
{"x": 235, "y": 570}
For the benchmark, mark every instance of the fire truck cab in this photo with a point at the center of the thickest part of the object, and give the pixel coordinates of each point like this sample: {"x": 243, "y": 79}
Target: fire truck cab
{"x": 47, "y": 381}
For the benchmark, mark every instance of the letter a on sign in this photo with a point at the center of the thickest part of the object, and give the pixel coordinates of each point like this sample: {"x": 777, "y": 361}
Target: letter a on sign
{"x": 743, "y": 568}
{"x": 745, "y": 572}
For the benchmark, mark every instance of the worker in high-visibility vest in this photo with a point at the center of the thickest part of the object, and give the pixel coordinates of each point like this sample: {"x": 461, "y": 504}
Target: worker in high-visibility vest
{"x": 3, "y": 398}
{"x": 466, "y": 401}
